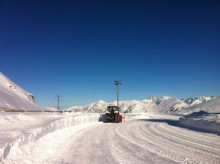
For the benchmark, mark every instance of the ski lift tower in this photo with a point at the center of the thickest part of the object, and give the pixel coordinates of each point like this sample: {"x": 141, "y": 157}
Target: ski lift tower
{"x": 118, "y": 83}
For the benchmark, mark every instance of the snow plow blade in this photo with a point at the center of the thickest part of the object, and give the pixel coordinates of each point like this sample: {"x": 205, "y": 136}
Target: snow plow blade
{"x": 123, "y": 119}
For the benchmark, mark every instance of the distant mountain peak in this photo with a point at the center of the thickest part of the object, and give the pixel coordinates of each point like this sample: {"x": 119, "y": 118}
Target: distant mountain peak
{"x": 164, "y": 104}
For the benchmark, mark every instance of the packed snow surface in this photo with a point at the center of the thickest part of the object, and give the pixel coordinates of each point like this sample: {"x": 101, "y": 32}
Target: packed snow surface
{"x": 81, "y": 139}
{"x": 140, "y": 141}
{"x": 13, "y": 97}
{"x": 21, "y": 134}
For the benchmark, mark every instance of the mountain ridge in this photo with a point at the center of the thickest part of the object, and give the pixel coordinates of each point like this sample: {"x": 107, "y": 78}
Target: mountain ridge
{"x": 163, "y": 104}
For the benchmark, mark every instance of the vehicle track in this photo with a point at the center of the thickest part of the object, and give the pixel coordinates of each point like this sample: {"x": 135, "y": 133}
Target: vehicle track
{"x": 140, "y": 141}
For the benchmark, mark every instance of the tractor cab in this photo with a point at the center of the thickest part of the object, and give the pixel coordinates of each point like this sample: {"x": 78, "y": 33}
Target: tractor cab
{"x": 112, "y": 109}
{"x": 112, "y": 114}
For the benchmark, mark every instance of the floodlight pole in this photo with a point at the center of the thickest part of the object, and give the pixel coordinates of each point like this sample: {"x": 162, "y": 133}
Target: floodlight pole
{"x": 58, "y": 102}
{"x": 117, "y": 83}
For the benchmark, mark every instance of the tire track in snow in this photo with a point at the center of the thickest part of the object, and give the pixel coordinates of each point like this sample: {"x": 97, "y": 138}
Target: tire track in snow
{"x": 146, "y": 151}
{"x": 161, "y": 149}
{"x": 86, "y": 148}
{"x": 210, "y": 148}
{"x": 141, "y": 142}
{"x": 210, "y": 139}
{"x": 182, "y": 147}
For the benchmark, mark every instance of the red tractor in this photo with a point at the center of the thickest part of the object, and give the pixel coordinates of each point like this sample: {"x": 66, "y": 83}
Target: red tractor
{"x": 112, "y": 115}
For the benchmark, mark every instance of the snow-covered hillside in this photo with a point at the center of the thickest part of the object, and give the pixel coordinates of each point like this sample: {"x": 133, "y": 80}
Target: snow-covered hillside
{"x": 163, "y": 104}
{"x": 204, "y": 116}
{"x": 212, "y": 106}
{"x": 13, "y": 97}
{"x": 196, "y": 101}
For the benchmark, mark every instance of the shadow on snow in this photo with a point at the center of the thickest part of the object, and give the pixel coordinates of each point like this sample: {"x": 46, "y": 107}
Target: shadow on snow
{"x": 177, "y": 124}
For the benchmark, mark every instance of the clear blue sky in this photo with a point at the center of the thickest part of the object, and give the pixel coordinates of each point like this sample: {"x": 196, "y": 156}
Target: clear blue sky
{"x": 77, "y": 48}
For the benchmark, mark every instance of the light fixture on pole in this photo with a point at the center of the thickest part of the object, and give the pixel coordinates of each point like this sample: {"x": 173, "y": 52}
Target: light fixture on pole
{"x": 118, "y": 83}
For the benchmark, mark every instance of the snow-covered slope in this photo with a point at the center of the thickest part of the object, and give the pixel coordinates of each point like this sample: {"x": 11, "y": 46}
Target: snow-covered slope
{"x": 163, "y": 104}
{"x": 13, "y": 97}
{"x": 204, "y": 116}
{"x": 195, "y": 101}
{"x": 212, "y": 106}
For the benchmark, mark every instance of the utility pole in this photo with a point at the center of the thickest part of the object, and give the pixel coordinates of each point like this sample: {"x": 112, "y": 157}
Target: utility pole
{"x": 58, "y": 102}
{"x": 118, "y": 83}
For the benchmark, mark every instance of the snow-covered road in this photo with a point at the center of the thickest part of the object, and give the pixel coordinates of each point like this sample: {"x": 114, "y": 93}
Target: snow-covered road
{"x": 139, "y": 141}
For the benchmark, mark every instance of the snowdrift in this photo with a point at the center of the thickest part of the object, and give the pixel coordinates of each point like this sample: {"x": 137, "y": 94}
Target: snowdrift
{"x": 31, "y": 127}
{"x": 204, "y": 117}
{"x": 202, "y": 121}
{"x": 13, "y": 97}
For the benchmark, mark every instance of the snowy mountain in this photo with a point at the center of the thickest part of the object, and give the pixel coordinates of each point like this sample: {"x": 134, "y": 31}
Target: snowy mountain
{"x": 13, "y": 97}
{"x": 204, "y": 116}
{"x": 212, "y": 106}
{"x": 196, "y": 101}
{"x": 163, "y": 104}
{"x": 51, "y": 109}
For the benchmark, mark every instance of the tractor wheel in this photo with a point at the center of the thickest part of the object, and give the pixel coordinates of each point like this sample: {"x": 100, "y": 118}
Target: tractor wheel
{"x": 120, "y": 118}
{"x": 105, "y": 119}
{"x": 116, "y": 118}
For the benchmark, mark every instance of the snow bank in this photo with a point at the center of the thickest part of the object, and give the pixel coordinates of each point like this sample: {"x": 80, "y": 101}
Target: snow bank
{"x": 202, "y": 121}
{"x": 31, "y": 134}
{"x": 135, "y": 116}
{"x": 204, "y": 116}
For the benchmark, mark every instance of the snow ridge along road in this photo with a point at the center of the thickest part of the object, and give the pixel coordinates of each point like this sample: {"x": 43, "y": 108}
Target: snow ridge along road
{"x": 24, "y": 136}
{"x": 139, "y": 141}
